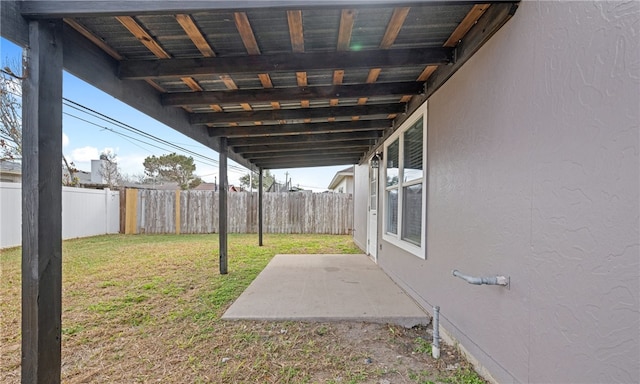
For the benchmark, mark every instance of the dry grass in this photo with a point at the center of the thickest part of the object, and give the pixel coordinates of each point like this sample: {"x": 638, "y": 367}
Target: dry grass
{"x": 147, "y": 309}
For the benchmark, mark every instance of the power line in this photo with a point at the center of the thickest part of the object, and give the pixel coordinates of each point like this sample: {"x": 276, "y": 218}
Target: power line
{"x": 95, "y": 114}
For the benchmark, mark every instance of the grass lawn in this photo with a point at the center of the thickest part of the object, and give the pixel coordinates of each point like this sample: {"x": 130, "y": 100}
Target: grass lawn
{"x": 146, "y": 308}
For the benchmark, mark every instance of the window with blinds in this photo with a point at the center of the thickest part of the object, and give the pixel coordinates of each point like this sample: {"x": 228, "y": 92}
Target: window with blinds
{"x": 405, "y": 180}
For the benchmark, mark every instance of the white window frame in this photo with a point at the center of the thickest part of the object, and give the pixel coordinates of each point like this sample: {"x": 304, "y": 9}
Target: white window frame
{"x": 396, "y": 239}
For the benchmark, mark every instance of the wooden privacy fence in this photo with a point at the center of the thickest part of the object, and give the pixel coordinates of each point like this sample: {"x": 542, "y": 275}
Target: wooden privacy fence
{"x": 153, "y": 211}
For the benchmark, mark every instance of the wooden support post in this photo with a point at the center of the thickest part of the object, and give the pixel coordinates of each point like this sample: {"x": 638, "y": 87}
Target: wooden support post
{"x": 224, "y": 188}
{"x": 260, "y": 207}
{"x": 42, "y": 204}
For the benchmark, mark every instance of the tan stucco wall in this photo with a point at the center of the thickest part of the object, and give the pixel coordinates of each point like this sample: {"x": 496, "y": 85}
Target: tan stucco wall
{"x": 534, "y": 173}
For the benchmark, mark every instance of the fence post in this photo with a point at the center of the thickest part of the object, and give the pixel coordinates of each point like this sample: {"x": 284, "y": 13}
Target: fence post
{"x": 177, "y": 212}
{"x": 131, "y": 223}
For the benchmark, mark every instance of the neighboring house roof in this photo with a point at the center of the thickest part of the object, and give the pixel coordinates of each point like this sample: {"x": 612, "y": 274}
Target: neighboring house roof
{"x": 339, "y": 176}
{"x": 10, "y": 171}
{"x": 8, "y": 166}
{"x": 206, "y": 187}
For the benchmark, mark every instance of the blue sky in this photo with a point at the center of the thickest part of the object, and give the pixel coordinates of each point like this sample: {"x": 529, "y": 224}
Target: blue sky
{"x": 84, "y": 141}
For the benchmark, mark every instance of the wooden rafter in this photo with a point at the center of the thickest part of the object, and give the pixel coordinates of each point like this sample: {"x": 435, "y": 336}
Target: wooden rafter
{"x": 296, "y": 34}
{"x": 394, "y": 26}
{"x": 143, "y": 36}
{"x": 192, "y": 83}
{"x": 466, "y": 24}
{"x": 246, "y": 33}
{"x": 246, "y": 106}
{"x": 265, "y": 79}
{"x": 192, "y": 30}
{"x": 94, "y": 39}
{"x": 347, "y": 19}
{"x": 371, "y": 78}
{"x": 338, "y": 76}
{"x": 156, "y": 86}
{"x": 228, "y": 82}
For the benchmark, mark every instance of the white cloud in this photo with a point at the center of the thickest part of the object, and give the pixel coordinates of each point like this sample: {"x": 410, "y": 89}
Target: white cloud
{"x": 65, "y": 140}
{"x": 84, "y": 154}
{"x": 131, "y": 164}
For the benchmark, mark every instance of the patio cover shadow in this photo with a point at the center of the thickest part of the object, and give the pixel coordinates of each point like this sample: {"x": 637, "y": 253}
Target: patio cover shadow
{"x": 326, "y": 288}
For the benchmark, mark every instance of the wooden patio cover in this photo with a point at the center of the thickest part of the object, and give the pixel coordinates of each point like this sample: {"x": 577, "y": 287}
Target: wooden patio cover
{"x": 268, "y": 84}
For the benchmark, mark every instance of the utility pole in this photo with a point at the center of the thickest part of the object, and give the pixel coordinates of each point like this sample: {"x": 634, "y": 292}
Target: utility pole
{"x": 286, "y": 181}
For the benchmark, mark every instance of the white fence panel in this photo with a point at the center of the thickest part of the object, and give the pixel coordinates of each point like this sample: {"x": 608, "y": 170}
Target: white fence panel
{"x": 10, "y": 214}
{"x": 85, "y": 212}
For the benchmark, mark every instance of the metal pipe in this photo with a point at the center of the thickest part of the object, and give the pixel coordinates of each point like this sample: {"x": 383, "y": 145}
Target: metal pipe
{"x": 435, "y": 346}
{"x": 491, "y": 280}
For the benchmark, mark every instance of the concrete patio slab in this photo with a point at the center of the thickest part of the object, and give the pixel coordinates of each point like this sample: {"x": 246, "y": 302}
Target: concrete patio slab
{"x": 326, "y": 288}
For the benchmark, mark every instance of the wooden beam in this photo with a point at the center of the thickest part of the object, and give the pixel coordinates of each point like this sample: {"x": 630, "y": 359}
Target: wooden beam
{"x": 285, "y": 62}
{"x": 246, "y": 33}
{"x": 268, "y": 147}
{"x": 222, "y": 205}
{"x": 394, "y": 26}
{"x": 292, "y": 94}
{"x": 304, "y": 163}
{"x": 296, "y": 114}
{"x": 347, "y": 19}
{"x": 466, "y": 24}
{"x": 296, "y": 34}
{"x": 194, "y": 33}
{"x": 13, "y": 26}
{"x": 297, "y": 129}
{"x": 141, "y": 34}
{"x": 72, "y": 8}
{"x": 310, "y": 155}
{"x": 309, "y": 138}
{"x": 322, "y": 152}
{"x": 42, "y": 204}
{"x": 91, "y": 64}
{"x": 93, "y": 38}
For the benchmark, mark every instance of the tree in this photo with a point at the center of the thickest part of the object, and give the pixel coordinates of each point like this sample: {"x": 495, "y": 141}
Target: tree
{"x": 11, "y": 121}
{"x": 109, "y": 169}
{"x": 267, "y": 180}
{"x": 172, "y": 167}
{"x": 10, "y": 114}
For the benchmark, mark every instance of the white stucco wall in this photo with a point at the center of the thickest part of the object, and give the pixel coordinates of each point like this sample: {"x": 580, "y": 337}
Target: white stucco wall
{"x": 534, "y": 173}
